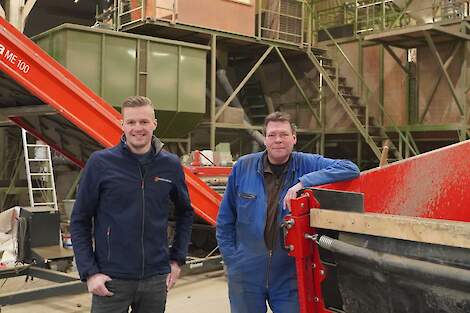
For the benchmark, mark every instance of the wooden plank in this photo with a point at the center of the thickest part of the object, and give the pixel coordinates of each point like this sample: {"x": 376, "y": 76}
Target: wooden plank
{"x": 441, "y": 232}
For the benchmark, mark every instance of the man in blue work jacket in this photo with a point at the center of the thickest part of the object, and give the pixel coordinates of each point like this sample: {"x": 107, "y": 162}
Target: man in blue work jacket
{"x": 123, "y": 204}
{"x": 257, "y": 197}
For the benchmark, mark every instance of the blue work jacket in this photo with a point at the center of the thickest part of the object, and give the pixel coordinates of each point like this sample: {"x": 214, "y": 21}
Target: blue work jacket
{"x": 242, "y": 217}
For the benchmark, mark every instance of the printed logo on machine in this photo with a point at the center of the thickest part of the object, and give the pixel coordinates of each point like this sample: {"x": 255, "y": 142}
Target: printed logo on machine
{"x": 157, "y": 179}
{"x": 13, "y": 59}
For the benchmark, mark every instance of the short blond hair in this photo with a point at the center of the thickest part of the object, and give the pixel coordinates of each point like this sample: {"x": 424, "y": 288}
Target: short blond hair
{"x": 136, "y": 101}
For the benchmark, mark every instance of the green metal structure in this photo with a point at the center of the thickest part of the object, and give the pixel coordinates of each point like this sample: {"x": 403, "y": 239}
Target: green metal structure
{"x": 287, "y": 30}
{"x": 116, "y": 65}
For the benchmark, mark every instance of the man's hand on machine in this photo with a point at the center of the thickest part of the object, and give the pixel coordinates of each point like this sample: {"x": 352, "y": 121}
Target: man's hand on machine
{"x": 292, "y": 194}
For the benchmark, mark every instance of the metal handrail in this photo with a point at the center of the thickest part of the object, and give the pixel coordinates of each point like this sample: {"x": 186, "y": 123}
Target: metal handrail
{"x": 331, "y": 84}
{"x": 143, "y": 9}
{"x": 379, "y": 15}
{"x": 276, "y": 13}
{"x": 127, "y": 13}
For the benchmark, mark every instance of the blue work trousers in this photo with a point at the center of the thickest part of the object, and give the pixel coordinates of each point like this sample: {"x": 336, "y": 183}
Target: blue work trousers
{"x": 250, "y": 298}
{"x": 142, "y": 296}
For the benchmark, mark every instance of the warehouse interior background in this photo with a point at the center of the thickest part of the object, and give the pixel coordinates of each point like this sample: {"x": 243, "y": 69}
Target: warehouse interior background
{"x": 356, "y": 76}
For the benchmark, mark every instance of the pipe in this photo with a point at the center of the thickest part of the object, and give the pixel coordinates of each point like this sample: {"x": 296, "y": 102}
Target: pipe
{"x": 223, "y": 79}
{"x": 422, "y": 11}
{"x": 404, "y": 266}
{"x": 14, "y": 13}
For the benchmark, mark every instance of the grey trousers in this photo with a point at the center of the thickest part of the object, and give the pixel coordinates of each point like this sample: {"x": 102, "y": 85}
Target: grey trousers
{"x": 142, "y": 296}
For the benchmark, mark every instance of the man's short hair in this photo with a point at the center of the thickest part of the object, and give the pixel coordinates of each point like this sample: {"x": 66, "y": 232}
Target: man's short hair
{"x": 135, "y": 102}
{"x": 279, "y": 117}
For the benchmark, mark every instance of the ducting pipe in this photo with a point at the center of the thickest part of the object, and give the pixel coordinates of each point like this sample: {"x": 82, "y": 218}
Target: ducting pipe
{"x": 223, "y": 79}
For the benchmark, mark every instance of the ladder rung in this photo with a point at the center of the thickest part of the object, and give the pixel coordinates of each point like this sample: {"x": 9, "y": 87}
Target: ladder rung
{"x": 41, "y": 174}
{"x": 38, "y": 189}
{"x": 36, "y": 145}
{"x": 38, "y": 160}
{"x": 43, "y": 203}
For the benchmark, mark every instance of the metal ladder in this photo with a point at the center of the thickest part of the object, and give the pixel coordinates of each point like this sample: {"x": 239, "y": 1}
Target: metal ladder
{"x": 39, "y": 173}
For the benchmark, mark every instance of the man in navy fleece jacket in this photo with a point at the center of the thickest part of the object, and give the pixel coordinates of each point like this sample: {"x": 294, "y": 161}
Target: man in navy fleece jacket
{"x": 123, "y": 205}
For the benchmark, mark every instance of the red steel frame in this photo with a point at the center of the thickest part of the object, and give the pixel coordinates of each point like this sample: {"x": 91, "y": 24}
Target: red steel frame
{"x": 432, "y": 185}
{"x": 33, "y": 69}
{"x": 310, "y": 271}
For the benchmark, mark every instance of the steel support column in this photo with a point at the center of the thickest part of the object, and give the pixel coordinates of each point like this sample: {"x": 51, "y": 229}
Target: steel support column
{"x": 462, "y": 86}
{"x": 381, "y": 83}
{"x": 213, "y": 90}
{"x": 322, "y": 112}
{"x": 467, "y": 105}
{"x": 360, "y": 65}
{"x": 465, "y": 67}
{"x": 359, "y": 150}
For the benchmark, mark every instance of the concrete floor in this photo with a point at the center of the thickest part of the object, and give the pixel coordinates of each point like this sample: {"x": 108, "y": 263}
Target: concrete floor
{"x": 203, "y": 293}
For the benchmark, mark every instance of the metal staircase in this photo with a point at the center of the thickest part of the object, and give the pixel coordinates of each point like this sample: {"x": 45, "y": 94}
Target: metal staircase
{"x": 356, "y": 111}
{"x": 253, "y": 102}
{"x": 374, "y": 133}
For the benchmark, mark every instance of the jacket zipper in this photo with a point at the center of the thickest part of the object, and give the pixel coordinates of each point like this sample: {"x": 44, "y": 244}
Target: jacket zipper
{"x": 270, "y": 254}
{"x": 108, "y": 235}
{"x": 273, "y": 246}
{"x": 142, "y": 176}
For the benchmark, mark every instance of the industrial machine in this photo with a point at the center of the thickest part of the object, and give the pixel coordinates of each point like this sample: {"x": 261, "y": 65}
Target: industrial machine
{"x": 393, "y": 240}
